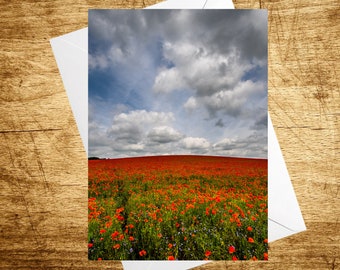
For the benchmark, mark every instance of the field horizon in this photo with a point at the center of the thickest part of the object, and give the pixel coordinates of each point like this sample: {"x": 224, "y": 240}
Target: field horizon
{"x": 174, "y": 155}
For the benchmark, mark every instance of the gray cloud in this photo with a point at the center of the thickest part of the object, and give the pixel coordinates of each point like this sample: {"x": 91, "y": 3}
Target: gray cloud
{"x": 163, "y": 134}
{"x": 229, "y": 102}
{"x": 254, "y": 145}
{"x": 219, "y": 123}
{"x": 261, "y": 121}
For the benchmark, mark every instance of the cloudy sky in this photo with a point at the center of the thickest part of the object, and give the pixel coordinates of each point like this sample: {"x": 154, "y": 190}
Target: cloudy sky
{"x": 178, "y": 82}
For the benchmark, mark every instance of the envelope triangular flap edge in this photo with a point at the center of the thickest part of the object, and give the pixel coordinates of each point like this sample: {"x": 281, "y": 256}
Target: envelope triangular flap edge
{"x": 73, "y": 49}
{"x": 288, "y": 215}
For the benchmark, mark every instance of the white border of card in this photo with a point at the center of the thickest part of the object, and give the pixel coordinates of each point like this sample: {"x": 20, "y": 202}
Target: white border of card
{"x": 284, "y": 215}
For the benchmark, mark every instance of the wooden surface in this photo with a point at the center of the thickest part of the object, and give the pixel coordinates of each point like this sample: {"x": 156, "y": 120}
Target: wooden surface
{"x": 43, "y": 172}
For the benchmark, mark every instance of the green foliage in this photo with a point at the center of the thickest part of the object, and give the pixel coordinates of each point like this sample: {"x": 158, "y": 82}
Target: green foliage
{"x": 179, "y": 216}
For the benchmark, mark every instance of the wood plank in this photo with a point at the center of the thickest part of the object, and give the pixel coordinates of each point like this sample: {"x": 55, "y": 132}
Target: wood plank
{"x": 44, "y": 166}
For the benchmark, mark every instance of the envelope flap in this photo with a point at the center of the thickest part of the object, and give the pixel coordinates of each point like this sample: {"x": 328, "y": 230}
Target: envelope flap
{"x": 175, "y": 4}
{"x": 218, "y": 4}
{"x": 77, "y": 39}
{"x": 283, "y": 209}
{"x": 72, "y": 62}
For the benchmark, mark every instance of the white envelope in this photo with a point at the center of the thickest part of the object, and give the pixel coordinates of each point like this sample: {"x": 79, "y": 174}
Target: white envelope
{"x": 284, "y": 215}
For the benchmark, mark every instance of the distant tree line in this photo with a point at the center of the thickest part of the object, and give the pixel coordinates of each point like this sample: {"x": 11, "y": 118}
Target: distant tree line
{"x": 92, "y": 158}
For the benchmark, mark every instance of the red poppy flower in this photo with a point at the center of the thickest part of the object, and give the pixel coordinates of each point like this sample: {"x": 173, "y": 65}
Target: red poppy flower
{"x": 170, "y": 245}
{"x": 102, "y": 231}
{"x": 234, "y": 258}
{"x": 89, "y": 245}
{"x": 108, "y": 224}
{"x": 171, "y": 258}
{"x": 231, "y": 249}
{"x": 249, "y": 228}
{"x": 251, "y": 240}
{"x": 99, "y": 259}
{"x": 131, "y": 238}
{"x": 265, "y": 256}
{"x": 116, "y": 246}
{"x": 207, "y": 253}
{"x": 119, "y": 210}
{"x": 142, "y": 253}
{"x": 114, "y": 235}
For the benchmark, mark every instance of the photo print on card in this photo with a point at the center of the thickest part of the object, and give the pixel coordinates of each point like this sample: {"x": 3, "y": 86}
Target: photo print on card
{"x": 177, "y": 125}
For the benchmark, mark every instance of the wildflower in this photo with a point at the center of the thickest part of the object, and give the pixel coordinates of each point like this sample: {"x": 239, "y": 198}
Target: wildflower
{"x": 265, "y": 241}
{"x": 99, "y": 259}
{"x": 170, "y": 245}
{"x": 251, "y": 240}
{"x": 114, "y": 235}
{"x": 207, "y": 253}
{"x": 89, "y": 245}
{"x": 265, "y": 256}
{"x": 142, "y": 253}
{"x": 102, "y": 231}
{"x": 234, "y": 258}
{"x": 119, "y": 210}
{"x": 231, "y": 249}
{"x": 120, "y": 218}
{"x": 131, "y": 238}
{"x": 249, "y": 228}
{"x": 171, "y": 258}
{"x": 116, "y": 246}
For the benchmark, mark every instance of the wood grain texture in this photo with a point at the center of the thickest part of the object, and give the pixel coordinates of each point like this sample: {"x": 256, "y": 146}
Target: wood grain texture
{"x": 43, "y": 172}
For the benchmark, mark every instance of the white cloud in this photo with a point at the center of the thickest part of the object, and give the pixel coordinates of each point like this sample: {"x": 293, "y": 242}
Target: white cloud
{"x": 198, "y": 69}
{"x": 191, "y": 104}
{"x": 194, "y": 143}
{"x": 143, "y": 117}
{"x": 168, "y": 80}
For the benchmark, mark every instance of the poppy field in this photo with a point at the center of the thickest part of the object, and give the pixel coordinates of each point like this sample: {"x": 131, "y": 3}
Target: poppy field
{"x": 183, "y": 207}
